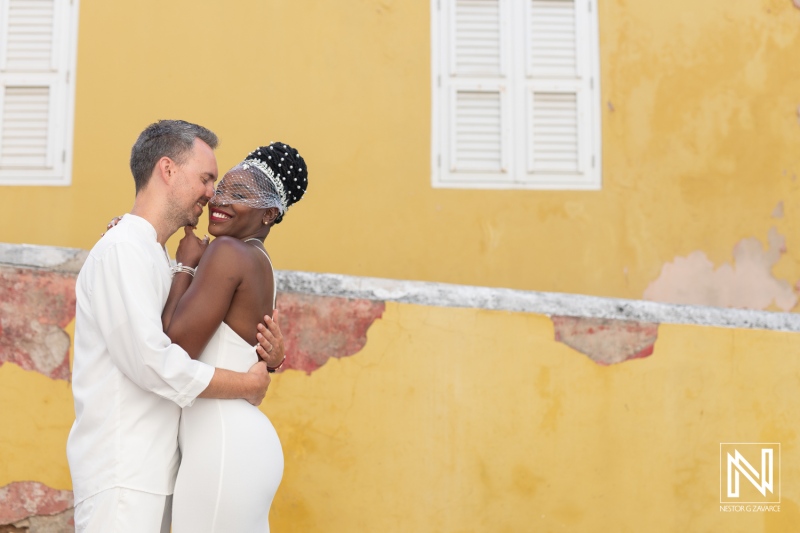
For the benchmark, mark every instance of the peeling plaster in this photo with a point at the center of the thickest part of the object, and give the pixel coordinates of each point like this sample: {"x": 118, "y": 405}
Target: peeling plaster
{"x": 36, "y": 258}
{"x": 778, "y": 211}
{"x": 748, "y": 283}
{"x": 35, "y": 306}
{"x": 317, "y": 328}
{"x": 59, "y": 523}
{"x": 32, "y": 505}
{"x": 606, "y": 342}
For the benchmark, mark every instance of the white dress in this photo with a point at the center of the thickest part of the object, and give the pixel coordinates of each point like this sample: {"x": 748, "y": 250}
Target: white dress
{"x": 231, "y": 457}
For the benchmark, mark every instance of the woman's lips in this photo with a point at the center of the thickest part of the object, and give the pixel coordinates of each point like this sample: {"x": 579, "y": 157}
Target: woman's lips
{"x": 218, "y": 216}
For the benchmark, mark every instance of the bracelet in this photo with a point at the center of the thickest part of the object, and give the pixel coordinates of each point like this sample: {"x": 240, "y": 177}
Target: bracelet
{"x": 272, "y": 370}
{"x": 180, "y": 267}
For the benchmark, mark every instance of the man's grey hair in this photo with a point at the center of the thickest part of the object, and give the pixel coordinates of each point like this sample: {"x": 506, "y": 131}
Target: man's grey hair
{"x": 165, "y": 138}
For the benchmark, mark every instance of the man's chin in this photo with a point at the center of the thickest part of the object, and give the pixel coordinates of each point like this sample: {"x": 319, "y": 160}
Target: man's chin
{"x": 192, "y": 219}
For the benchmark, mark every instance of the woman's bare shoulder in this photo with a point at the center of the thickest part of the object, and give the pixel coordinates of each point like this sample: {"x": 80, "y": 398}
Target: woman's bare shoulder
{"x": 224, "y": 250}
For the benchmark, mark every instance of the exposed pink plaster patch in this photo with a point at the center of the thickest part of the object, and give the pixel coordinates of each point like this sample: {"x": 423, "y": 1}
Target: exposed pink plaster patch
{"x": 748, "y": 283}
{"x": 778, "y": 211}
{"x": 316, "y": 328}
{"x": 35, "y": 306}
{"x": 25, "y": 499}
{"x": 606, "y": 341}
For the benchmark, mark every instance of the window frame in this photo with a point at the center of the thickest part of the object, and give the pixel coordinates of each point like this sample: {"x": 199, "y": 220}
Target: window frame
{"x": 60, "y": 79}
{"x": 517, "y": 92}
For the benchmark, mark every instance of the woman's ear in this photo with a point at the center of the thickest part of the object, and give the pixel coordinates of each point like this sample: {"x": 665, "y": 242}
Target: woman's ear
{"x": 270, "y": 215}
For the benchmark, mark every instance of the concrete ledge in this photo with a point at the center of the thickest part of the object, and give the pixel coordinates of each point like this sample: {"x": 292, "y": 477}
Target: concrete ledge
{"x": 547, "y": 303}
{"x": 42, "y": 257}
{"x": 448, "y": 295}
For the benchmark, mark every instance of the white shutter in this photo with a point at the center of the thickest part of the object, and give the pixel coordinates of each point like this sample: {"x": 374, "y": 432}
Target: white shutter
{"x": 554, "y": 132}
{"x": 474, "y": 121}
{"x": 37, "y": 56}
{"x": 559, "y": 89}
{"x": 24, "y": 127}
{"x": 515, "y": 96}
{"x": 476, "y": 38}
{"x": 30, "y": 32}
{"x": 552, "y": 45}
{"x": 477, "y": 131}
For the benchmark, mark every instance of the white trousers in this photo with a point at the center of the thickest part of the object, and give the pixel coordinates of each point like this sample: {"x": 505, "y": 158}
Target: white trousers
{"x": 121, "y": 510}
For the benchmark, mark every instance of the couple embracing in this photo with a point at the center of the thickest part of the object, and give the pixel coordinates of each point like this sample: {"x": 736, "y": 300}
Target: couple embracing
{"x": 172, "y": 360}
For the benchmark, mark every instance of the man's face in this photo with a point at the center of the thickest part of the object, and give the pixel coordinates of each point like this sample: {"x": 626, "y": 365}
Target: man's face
{"x": 194, "y": 185}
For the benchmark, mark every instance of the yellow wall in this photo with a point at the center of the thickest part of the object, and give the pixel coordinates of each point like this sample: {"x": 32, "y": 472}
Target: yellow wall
{"x": 464, "y": 420}
{"x": 700, "y": 138}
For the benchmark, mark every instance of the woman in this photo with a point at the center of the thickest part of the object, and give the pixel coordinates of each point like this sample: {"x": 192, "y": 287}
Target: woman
{"x": 232, "y": 461}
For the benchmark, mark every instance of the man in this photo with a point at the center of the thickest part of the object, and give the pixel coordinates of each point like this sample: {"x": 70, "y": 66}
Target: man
{"x": 129, "y": 382}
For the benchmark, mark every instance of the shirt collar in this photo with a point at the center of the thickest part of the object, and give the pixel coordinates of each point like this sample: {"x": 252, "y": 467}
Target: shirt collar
{"x": 142, "y": 224}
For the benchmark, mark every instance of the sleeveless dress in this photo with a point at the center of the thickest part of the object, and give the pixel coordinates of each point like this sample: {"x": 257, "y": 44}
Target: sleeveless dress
{"x": 231, "y": 457}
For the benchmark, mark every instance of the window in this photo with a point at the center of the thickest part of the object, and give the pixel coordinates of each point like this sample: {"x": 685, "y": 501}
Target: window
{"x": 38, "y": 41}
{"x": 516, "y": 96}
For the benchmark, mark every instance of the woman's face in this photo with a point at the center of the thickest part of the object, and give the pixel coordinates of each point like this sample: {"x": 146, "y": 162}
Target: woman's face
{"x": 228, "y": 212}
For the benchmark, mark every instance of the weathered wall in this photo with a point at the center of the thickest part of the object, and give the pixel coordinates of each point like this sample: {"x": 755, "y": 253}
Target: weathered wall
{"x": 424, "y": 407}
{"x": 700, "y": 143}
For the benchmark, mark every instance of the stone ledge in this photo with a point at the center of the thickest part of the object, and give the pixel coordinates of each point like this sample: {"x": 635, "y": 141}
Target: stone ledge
{"x": 449, "y": 295}
{"x": 68, "y": 260}
{"x": 546, "y": 303}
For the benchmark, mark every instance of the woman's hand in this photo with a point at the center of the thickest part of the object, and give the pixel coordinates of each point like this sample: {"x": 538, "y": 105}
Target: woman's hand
{"x": 270, "y": 342}
{"x": 114, "y": 222}
{"x": 191, "y": 248}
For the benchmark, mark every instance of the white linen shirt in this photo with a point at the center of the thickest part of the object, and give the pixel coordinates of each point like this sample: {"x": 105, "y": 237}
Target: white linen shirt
{"x": 129, "y": 381}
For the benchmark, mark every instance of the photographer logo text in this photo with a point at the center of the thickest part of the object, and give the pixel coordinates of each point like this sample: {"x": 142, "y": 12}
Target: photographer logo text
{"x": 750, "y": 476}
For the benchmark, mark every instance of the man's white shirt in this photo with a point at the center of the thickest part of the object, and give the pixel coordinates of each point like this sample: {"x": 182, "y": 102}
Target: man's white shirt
{"x": 129, "y": 381}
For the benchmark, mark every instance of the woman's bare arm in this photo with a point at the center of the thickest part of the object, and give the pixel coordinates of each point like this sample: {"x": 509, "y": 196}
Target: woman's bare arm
{"x": 204, "y": 303}
{"x": 180, "y": 284}
{"x": 190, "y": 250}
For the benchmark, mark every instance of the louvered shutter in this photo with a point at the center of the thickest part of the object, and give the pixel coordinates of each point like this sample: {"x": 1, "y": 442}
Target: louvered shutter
{"x": 558, "y": 94}
{"x": 515, "y": 99}
{"x": 36, "y": 42}
{"x": 476, "y": 123}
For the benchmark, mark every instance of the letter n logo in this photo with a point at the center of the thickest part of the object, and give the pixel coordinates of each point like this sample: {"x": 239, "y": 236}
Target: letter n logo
{"x": 750, "y": 472}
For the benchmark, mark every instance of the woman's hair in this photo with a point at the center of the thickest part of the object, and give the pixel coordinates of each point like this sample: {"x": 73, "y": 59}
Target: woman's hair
{"x": 289, "y": 171}
{"x": 270, "y": 176}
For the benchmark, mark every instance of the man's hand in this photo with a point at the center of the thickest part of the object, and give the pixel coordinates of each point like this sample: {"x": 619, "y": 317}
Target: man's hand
{"x": 270, "y": 341}
{"x": 260, "y": 381}
{"x": 190, "y": 248}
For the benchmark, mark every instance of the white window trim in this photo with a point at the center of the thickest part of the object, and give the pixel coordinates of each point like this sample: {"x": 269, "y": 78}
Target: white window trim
{"x": 516, "y": 157}
{"x": 62, "y": 80}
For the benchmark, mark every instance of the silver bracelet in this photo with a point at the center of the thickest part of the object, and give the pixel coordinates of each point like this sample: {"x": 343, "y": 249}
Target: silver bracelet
{"x": 180, "y": 267}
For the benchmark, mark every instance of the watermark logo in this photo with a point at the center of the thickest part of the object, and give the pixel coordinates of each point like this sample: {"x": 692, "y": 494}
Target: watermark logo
{"x": 750, "y": 472}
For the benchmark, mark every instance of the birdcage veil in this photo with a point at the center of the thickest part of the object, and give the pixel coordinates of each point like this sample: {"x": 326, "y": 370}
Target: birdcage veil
{"x": 270, "y": 176}
{"x": 251, "y": 183}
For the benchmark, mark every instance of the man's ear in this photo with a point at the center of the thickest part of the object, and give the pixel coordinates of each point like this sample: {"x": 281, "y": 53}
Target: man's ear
{"x": 166, "y": 169}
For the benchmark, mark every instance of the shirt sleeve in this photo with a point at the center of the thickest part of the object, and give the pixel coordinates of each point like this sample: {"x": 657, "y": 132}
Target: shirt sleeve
{"x": 128, "y": 309}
